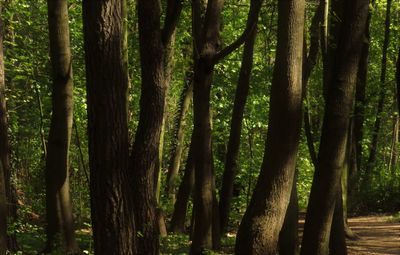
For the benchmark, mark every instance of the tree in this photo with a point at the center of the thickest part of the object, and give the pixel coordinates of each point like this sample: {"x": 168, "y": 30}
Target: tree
{"x": 241, "y": 94}
{"x": 338, "y": 106}
{"x": 154, "y": 42}
{"x": 206, "y": 39}
{"x": 3, "y": 199}
{"x": 107, "y": 84}
{"x": 58, "y": 201}
{"x": 259, "y": 230}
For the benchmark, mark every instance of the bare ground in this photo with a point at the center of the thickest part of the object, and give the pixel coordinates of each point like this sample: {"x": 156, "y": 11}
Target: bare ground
{"x": 377, "y": 235}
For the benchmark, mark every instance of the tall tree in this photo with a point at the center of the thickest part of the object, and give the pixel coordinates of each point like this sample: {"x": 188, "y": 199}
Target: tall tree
{"x": 259, "y": 230}
{"x": 5, "y": 152}
{"x": 241, "y": 94}
{"x": 155, "y": 42}
{"x": 58, "y": 201}
{"x": 207, "y": 53}
{"x": 398, "y": 80}
{"x": 107, "y": 84}
{"x": 338, "y": 106}
{"x": 382, "y": 92}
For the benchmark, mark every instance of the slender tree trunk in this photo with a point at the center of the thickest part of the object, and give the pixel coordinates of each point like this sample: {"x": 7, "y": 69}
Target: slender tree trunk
{"x": 179, "y": 132}
{"x": 206, "y": 34}
{"x": 393, "y": 149}
{"x": 3, "y": 197}
{"x": 241, "y": 94}
{"x": 398, "y": 81}
{"x": 5, "y": 153}
{"x": 289, "y": 235}
{"x": 58, "y": 201}
{"x": 382, "y": 92}
{"x": 107, "y": 84}
{"x": 259, "y": 230}
{"x": 154, "y": 43}
{"x": 339, "y": 104}
{"x": 184, "y": 191}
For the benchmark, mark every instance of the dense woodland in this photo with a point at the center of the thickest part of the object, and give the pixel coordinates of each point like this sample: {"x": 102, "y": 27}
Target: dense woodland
{"x": 196, "y": 127}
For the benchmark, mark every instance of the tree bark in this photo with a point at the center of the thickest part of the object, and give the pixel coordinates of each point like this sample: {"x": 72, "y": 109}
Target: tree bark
{"x": 241, "y": 94}
{"x": 58, "y": 201}
{"x": 289, "y": 235}
{"x": 339, "y": 104}
{"x": 259, "y": 230}
{"x": 206, "y": 34}
{"x": 154, "y": 42}
{"x": 398, "y": 81}
{"x": 337, "y": 243}
{"x": 107, "y": 83}
{"x": 5, "y": 152}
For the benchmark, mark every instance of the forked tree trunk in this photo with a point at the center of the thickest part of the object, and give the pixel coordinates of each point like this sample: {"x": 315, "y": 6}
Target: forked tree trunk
{"x": 241, "y": 94}
{"x": 259, "y": 230}
{"x": 107, "y": 84}
{"x": 154, "y": 44}
{"x": 206, "y": 34}
{"x": 339, "y": 104}
{"x": 58, "y": 201}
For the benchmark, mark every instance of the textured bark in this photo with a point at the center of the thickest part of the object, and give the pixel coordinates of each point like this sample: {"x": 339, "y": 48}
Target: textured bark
{"x": 58, "y": 201}
{"x": 259, "y": 230}
{"x": 206, "y": 34}
{"x": 184, "y": 191}
{"x": 179, "y": 132}
{"x": 5, "y": 152}
{"x": 107, "y": 83}
{"x": 382, "y": 93}
{"x": 339, "y": 104}
{"x": 337, "y": 243}
{"x": 289, "y": 235}
{"x": 154, "y": 42}
{"x": 241, "y": 94}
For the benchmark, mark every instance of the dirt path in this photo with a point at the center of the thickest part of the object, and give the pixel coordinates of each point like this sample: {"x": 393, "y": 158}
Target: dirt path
{"x": 377, "y": 236}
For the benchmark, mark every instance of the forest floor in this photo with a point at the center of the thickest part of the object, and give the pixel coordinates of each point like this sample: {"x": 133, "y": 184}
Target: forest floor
{"x": 377, "y": 235}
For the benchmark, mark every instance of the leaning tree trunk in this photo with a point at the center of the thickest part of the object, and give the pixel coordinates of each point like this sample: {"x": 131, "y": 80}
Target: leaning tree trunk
{"x": 58, "y": 201}
{"x": 241, "y": 94}
{"x": 179, "y": 132}
{"x": 107, "y": 84}
{"x": 259, "y": 230}
{"x": 382, "y": 92}
{"x": 184, "y": 192}
{"x": 339, "y": 104}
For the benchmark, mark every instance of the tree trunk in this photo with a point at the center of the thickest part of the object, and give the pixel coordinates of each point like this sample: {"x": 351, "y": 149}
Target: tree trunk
{"x": 206, "y": 34}
{"x": 5, "y": 153}
{"x": 259, "y": 230}
{"x": 382, "y": 92}
{"x": 107, "y": 83}
{"x": 398, "y": 81}
{"x": 179, "y": 132}
{"x": 154, "y": 43}
{"x": 393, "y": 149}
{"x": 289, "y": 235}
{"x": 241, "y": 94}
{"x": 58, "y": 201}
{"x": 337, "y": 243}
{"x": 339, "y": 104}
{"x": 185, "y": 189}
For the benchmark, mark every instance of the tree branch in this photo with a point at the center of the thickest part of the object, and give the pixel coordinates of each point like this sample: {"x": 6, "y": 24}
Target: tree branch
{"x": 174, "y": 9}
{"x": 252, "y": 19}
